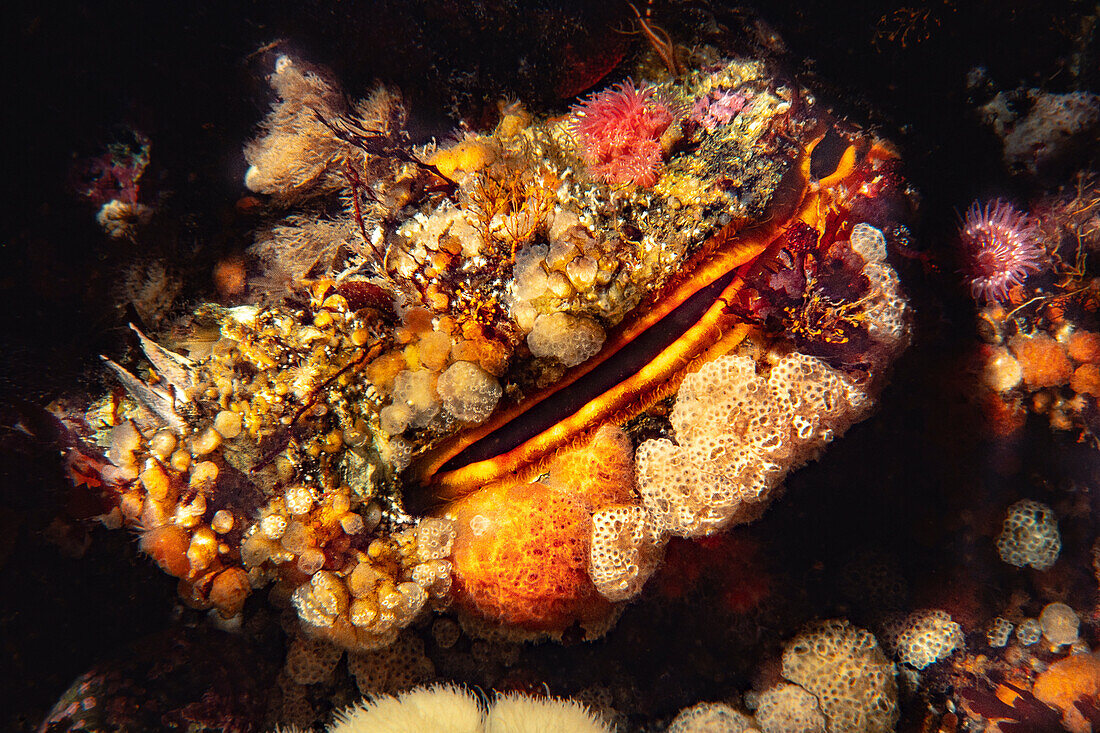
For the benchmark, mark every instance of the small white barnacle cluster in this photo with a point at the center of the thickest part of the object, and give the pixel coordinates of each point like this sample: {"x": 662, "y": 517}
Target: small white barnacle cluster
{"x": 624, "y": 551}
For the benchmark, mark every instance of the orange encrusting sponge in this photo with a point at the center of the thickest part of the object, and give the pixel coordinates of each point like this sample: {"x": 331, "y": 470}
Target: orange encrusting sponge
{"x": 520, "y": 556}
{"x": 521, "y": 551}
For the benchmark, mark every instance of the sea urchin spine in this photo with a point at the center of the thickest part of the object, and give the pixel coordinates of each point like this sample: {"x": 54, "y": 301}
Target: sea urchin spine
{"x": 1000, "y": 249}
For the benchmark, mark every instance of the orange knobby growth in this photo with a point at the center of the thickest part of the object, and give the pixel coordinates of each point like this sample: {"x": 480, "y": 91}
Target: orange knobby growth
{"x": 520, "y": 558}
{"x": 1043, "y": 360}
{"x": 600, "y": 474}
{"x": 1067, "y": 681}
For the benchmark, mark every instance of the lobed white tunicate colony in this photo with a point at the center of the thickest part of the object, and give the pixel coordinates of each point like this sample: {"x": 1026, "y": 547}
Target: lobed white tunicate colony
{"x": 738, "y": 435}
{"x": 928, "y": 636}
{"x": 999, "y": 632}
{"x": 787, "y": 708}
{"x": 624, "y": 551}
{"x": 844, "y": 668}
{"x": 711, "y": 716}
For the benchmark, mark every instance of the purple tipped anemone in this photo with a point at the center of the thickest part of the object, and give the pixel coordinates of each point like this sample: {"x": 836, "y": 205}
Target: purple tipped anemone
{"x": 1000, "y": 249}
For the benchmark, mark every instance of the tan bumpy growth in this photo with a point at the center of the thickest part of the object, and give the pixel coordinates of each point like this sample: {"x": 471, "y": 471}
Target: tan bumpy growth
{"x": 844, "y": 668}
{"x": 738, "y": 435}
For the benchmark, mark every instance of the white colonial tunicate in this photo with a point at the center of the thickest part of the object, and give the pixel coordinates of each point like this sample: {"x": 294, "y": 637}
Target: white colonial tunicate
{"x": 468, "y": 392}
{"x": 570, "y": 339}
{"x": 868, "y": 243}
{"x": 414, "y": 391}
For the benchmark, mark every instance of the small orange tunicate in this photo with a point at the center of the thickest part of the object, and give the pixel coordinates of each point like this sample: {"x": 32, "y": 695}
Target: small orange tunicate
{"x": 468, "y": 155}
{"x": 230, "y": 277}
{"x": 168, "y": 547}
{"x": 434, "y": 349}
{"x": 180, "y": 460}
{"x": 156, "y": 481}
{"x": 298, "y": 537}
{"x": 229, "y": 591}
{"x": 1086, "y": 379}
{"x": 203, "y": 475}
{"x": 163, "y": 443}
{"x": 341, "y": 503}
{"x": 228, "y": 424}
{"x": 206, "y": 441}
{"x": 1043, "y": 360}
{"x": 1084, "y": 346}
{"x": 382, "y": 371}
{"x": 222, "y": 522}
{"x": 202, "y": 550}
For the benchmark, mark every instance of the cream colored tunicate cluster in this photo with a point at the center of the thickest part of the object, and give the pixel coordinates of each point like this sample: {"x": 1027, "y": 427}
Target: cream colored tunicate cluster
{"x": 572, "y": 271}
{"x": 625, "y": 550}
{"x": 928, "y": 636}
{"x": 711, "y": 716}
{"x": 468, "y": 392}
{"x": 844, "y": 668}
{"x": 787, "y": 708}
{"x": 738, "y": 434}
{"x": 414, "y": 402}
{"x": 569, "y": 339}
{"x": 868, "y": 242}
{"x": 438, "y": 372}
{"x": 365, "y": 605}
{"x": 1030, "y": 536}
